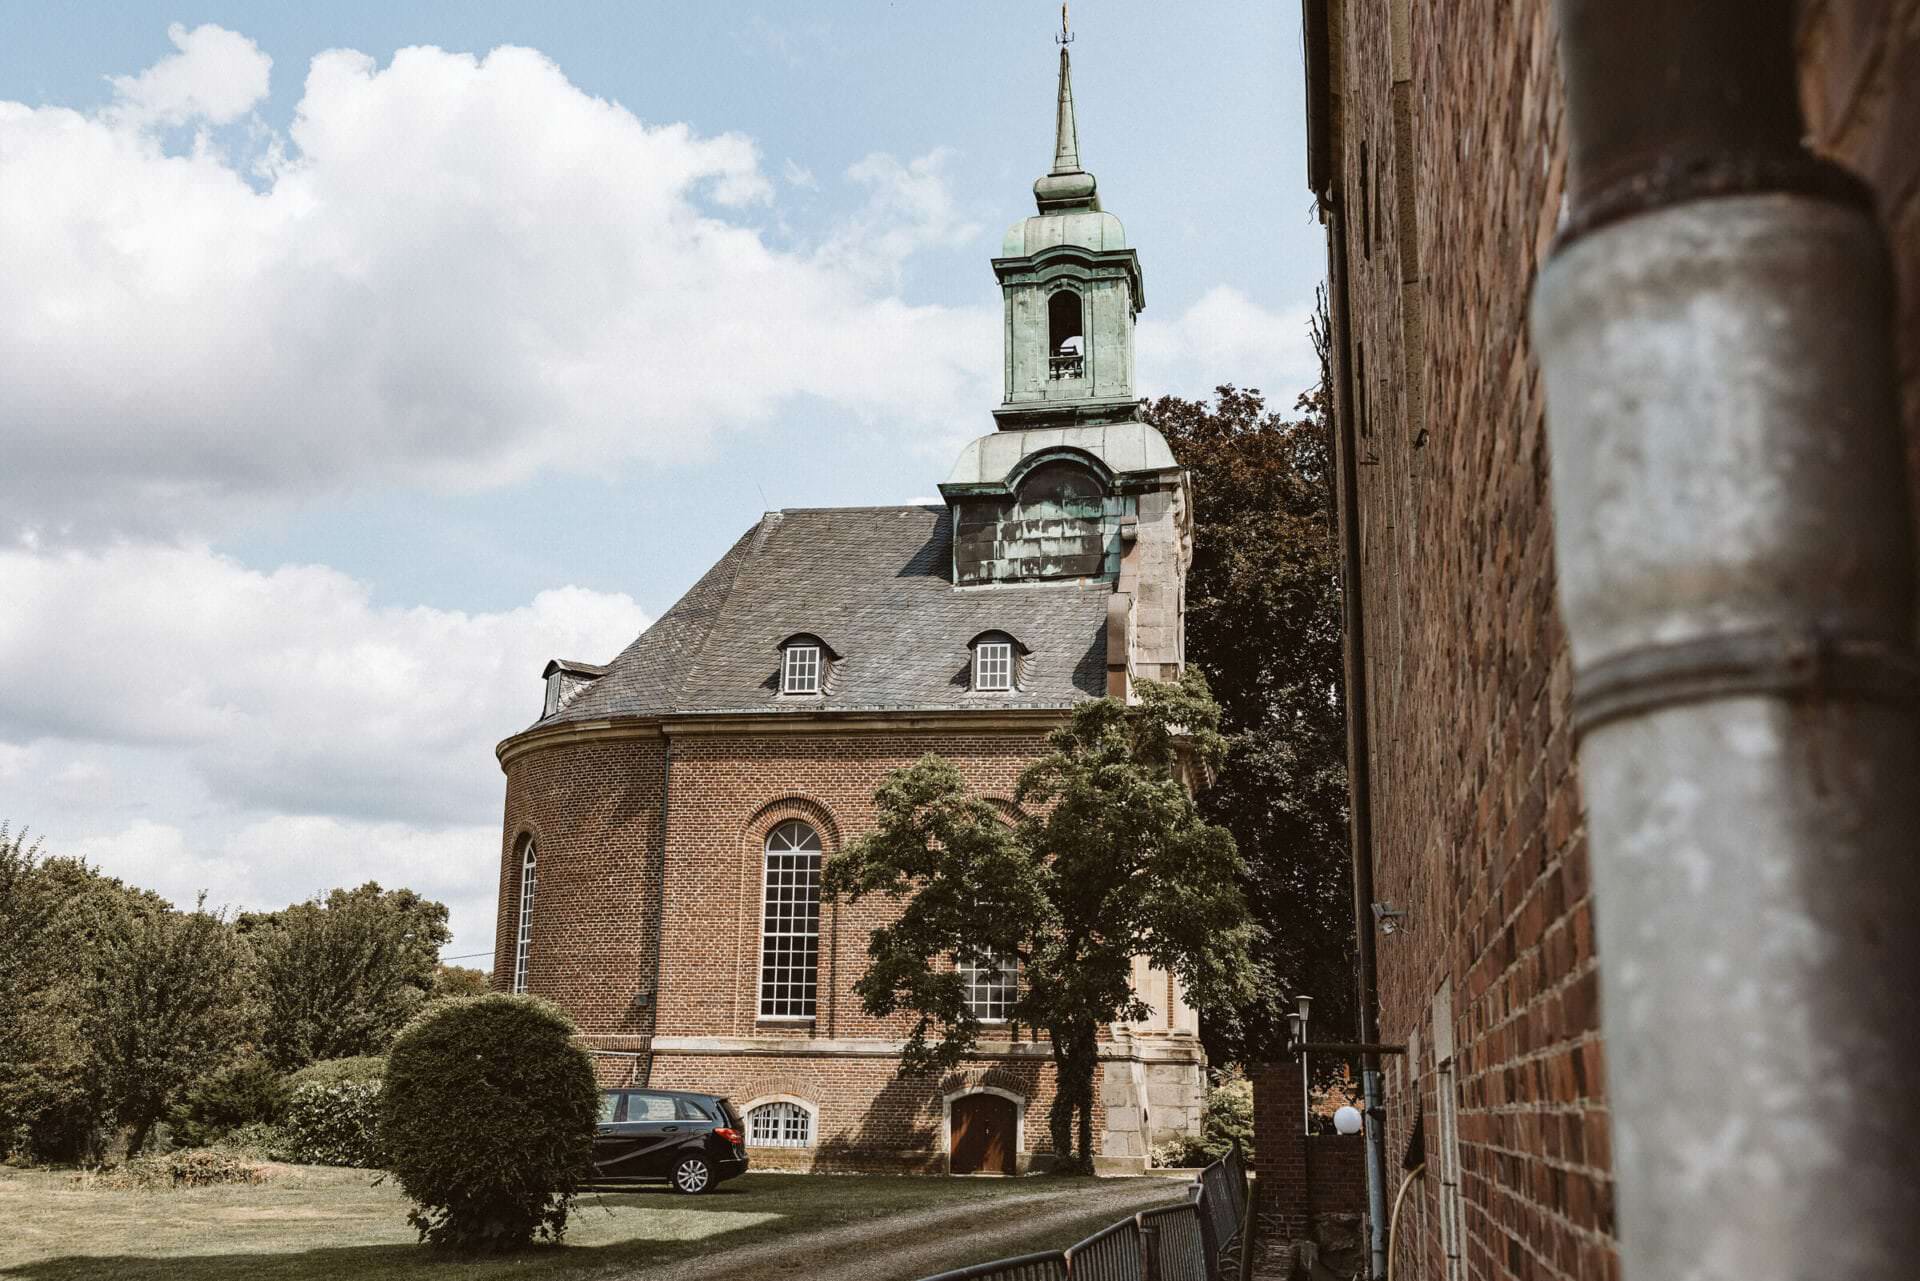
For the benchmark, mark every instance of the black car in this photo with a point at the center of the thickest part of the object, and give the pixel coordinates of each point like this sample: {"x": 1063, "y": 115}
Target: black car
{"x": 692, "y": 1141}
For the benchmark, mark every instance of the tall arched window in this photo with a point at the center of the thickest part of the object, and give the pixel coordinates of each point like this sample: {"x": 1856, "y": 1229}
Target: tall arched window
{"x": 790, "y": 923}
{"x": 1066, "y": 336}
{"x": 525, "y": 936}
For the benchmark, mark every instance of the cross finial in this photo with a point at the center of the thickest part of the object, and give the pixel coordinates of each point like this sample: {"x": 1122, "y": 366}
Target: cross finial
{"x": 1066, "y": 36}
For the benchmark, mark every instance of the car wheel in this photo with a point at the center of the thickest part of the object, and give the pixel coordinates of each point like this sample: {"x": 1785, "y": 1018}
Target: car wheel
{"x": 692, "y": 1175}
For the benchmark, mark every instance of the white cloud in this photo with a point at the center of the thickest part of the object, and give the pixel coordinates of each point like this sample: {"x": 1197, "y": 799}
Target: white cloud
{"x": 1225, "y": 336}
{"x": 909, "y": 208}
{"x": 189, "y": 723}
{"x": 287, "y": 692}
{"x": 218, "y": 76}
{"x": 453, "y": 271}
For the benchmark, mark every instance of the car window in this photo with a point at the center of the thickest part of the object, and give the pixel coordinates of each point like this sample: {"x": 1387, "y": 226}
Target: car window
{"x": 650, "y": 1107}
{"x": 728, "y": 1114}
{"x": 691, "y": 1111}
{"x": 610, "y": 1107}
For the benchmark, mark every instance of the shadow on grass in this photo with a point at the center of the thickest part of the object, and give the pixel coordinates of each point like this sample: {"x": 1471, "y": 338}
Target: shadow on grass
{"x": 541, "y": 1260}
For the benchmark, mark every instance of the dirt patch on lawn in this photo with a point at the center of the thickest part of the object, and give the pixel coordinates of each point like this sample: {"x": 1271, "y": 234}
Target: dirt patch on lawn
{"x": 904, "y": 1246}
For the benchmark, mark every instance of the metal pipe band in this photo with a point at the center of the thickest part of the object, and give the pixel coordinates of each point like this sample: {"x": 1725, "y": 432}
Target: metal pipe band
{"x": 1796, "y": 664}
{"x": 1669, "y": 102}
{"x": 1728, "y": 481}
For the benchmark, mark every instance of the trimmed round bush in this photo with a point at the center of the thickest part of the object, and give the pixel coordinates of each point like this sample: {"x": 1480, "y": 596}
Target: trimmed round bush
{"x": 486, "y": 1119}
{"x": 361, "y": 1069}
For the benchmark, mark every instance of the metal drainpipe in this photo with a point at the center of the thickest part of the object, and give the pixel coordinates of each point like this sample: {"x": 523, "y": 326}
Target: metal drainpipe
{"x": 1359, "y": 781}
{"x": 1737, "y": 579}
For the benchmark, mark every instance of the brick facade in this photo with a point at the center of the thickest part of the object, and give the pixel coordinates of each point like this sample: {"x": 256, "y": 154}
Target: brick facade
{"x": 1301, "y": 1177}
{"x": 593, "y": 807}
{"x": 1447, "y": 164}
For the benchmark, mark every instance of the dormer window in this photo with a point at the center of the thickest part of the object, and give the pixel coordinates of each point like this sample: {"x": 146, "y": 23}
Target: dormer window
{"x": 800, "y": 669}
{"x": 996, "y": 658}
{"x": 1066, "y": 336}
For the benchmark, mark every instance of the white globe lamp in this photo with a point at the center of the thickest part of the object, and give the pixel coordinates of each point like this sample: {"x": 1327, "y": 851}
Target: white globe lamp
{"x": 1347, "y": 1120}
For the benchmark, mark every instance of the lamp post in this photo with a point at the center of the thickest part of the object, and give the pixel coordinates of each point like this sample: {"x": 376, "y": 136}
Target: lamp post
{"x": 1297, "y": 1022}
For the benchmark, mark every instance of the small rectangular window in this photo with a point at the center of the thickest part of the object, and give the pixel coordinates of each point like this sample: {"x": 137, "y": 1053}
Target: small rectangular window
{"x": 801, "y": 673}
{"x": 992, "y": 987}
{"x": 993, "y": 665}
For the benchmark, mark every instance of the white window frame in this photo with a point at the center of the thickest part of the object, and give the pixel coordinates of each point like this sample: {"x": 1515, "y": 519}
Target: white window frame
{"x": 785, "y": 932}
{"x": 523, "y": 937}
{"x": 801, "y": 669}
{"x": 993, "y": 666}
{"x": 995, "y": 983}
{"x": 792, "y": 1121}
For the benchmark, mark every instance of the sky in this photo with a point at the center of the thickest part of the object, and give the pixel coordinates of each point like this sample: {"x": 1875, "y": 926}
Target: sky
{"x": 356, "y": 359}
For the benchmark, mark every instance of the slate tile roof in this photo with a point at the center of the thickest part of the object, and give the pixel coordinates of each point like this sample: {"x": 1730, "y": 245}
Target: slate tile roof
{"x": 874, "y": 584}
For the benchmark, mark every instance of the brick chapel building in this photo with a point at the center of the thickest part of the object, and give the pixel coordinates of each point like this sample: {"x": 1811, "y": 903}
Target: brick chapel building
{"x": 1625, "y": 301}
{"x": 668, "y": 814}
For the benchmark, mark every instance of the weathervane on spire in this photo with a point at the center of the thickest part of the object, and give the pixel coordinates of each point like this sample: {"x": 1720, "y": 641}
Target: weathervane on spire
{"x": 1065, "y": 37}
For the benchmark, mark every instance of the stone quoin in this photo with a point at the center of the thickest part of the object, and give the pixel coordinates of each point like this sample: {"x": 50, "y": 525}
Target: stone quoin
{"x": 668, "y": 814}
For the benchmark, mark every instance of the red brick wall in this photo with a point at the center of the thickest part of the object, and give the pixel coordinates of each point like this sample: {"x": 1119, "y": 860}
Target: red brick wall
{"x": 1324, "y": 1172}
{"x": 728, "y": 793}
{"x": 1478, "y": 820}
{"x": 594, "y": 809}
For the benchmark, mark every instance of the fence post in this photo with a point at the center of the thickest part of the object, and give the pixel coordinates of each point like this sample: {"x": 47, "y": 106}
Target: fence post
{"x": 1149, "y": 1250}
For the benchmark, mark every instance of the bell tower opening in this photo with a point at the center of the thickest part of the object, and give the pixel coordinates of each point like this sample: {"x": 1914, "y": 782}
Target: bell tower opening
{"x": 1066, "y": 336}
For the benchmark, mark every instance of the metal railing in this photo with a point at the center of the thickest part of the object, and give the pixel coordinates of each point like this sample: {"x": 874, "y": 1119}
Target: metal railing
{"x": 1203, "y": 1238}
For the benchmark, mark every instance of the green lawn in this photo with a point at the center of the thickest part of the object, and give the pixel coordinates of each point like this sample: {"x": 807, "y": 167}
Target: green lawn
{"x": 316, "y": 1222}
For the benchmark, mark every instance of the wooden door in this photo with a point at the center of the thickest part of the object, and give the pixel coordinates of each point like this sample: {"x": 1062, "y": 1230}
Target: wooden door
{"x": 983, "y": 1135}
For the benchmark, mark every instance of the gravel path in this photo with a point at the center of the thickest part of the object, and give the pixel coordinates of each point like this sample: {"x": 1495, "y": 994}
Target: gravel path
{"x": 904, "y": 1246}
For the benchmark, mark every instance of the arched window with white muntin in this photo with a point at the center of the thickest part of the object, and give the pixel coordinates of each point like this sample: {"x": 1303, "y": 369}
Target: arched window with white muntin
{"x": 790, "y": 922}
{"x": 523, "y": 938}
{"x": 779, "y": 1123}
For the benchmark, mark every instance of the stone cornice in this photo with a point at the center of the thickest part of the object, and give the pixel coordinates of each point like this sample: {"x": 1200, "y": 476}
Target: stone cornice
{"x": 1010, "y": 720}
{"x": 1141, "y": 1049}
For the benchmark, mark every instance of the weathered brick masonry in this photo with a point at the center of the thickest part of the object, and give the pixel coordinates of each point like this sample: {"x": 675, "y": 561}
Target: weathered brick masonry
{"x": 1301, "y": 1176}
{"x": 1447, "y": 162}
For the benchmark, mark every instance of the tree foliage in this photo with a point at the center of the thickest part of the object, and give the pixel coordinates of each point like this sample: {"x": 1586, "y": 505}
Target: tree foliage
{"x": 340, "y": 975}
{"x": 116, "y": 1009}
{"x": 1107, "y": 860}
{"x": 167, "y": 1001}
{"x": 486, "y": 1120}
{"x": 1264, "y": 624}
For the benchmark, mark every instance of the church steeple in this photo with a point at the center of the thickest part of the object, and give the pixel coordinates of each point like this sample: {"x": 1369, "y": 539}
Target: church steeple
{"x": 1067, "y": 185}
{"x": 1072, "y": 289}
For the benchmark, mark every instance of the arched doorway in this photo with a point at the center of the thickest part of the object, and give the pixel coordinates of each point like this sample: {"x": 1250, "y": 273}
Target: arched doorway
{"x": 983, "y": 1134}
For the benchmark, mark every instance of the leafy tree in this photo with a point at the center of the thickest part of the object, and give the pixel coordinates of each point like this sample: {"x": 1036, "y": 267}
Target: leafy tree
{"x": 486, "y": 1120}
{"x": 57, "y": 919}
{"x": 167, "y": 1001}
{"x": 461, "y": 980}
{"x": 340, "y": 975}
{"x": 243, "y": 1092}
{"x": 27, "y": 911}
{"x": 1109, "y": 860}
{"x": 1264, "y": 624}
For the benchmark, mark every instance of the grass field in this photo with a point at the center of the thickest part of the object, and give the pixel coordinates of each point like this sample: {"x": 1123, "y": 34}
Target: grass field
{"x": 312, "y": 1222}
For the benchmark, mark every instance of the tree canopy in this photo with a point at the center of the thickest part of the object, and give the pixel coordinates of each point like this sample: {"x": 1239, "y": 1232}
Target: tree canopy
{"x": 1263, "y": 623}
{"x": 1105, "y": 859}
{"x": 340, "y": 975}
